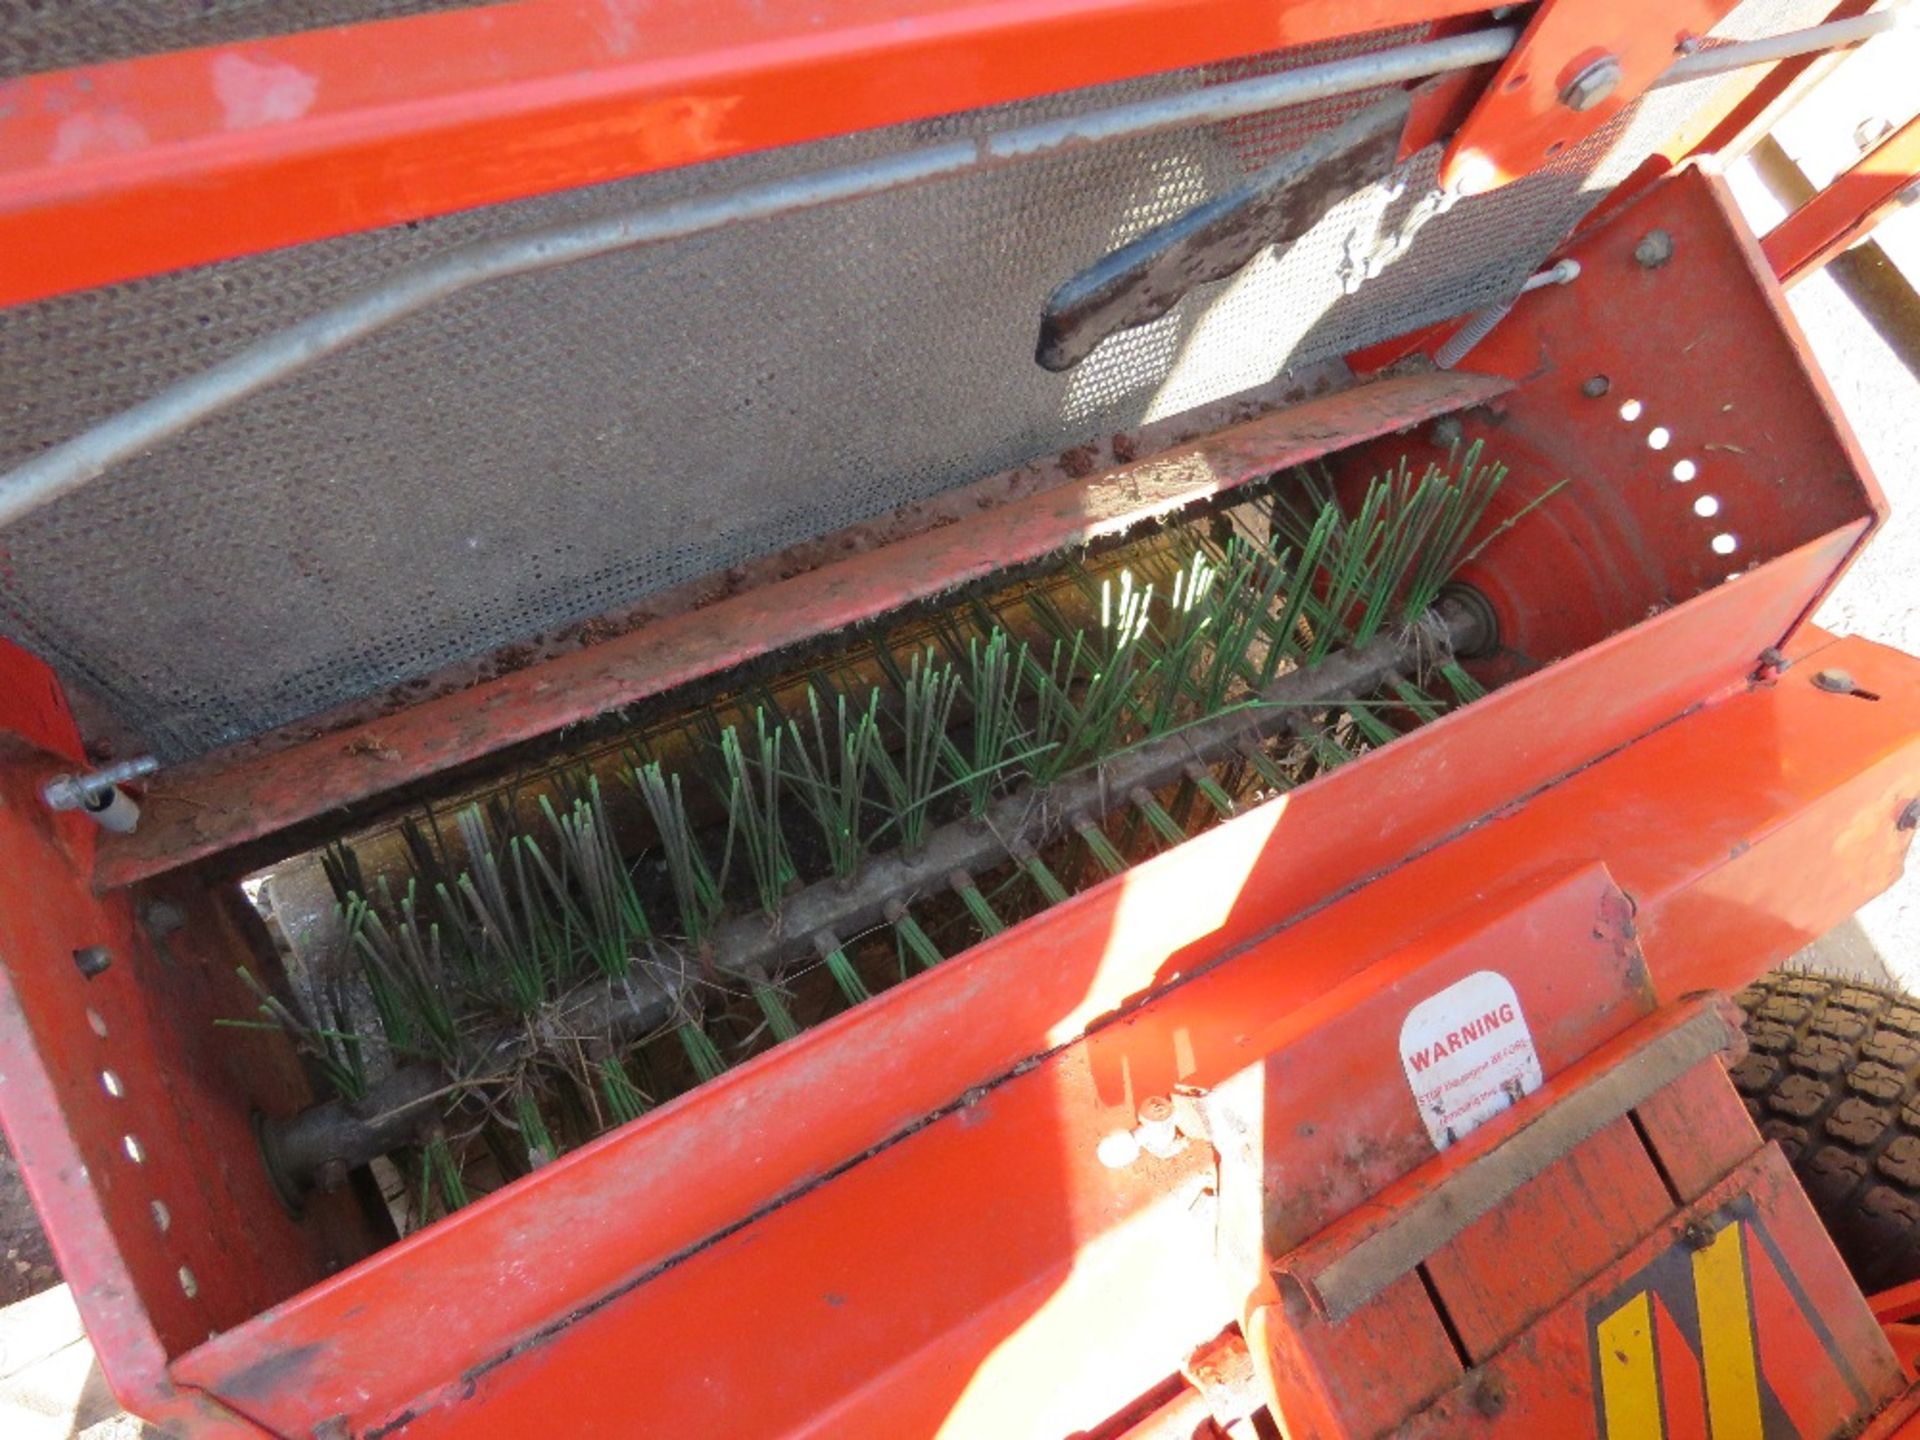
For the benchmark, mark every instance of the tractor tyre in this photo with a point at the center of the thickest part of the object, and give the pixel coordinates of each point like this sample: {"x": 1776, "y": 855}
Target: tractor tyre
{"x": 1833, "y": 1074}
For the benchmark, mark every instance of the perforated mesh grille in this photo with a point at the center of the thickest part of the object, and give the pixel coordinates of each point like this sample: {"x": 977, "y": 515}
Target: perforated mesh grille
{"x": 548, "y": 448}
{"x": 56, "y": 34}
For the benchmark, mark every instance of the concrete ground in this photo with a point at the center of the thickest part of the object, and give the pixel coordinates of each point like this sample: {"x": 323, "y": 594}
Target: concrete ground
{"x": 1873, "y": 375}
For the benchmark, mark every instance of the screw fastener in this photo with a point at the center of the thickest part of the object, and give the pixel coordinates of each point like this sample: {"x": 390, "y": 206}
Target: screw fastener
{"x": 1835, "y": 682}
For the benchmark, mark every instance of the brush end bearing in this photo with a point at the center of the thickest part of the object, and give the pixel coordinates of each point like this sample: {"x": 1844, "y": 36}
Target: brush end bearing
{"x": 1472, "y": 627}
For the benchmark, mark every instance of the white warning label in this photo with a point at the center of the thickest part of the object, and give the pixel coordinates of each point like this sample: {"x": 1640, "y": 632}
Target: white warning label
{"x": 1468, "y": 1055}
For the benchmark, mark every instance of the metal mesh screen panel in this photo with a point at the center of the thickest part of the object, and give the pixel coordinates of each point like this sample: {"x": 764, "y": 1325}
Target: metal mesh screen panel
{"x": 548, "y": 448}
{"x": 56, "y": 34}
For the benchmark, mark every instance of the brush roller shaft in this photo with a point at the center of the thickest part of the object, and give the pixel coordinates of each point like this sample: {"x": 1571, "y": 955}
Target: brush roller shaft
{"x": 328, "y": 1139}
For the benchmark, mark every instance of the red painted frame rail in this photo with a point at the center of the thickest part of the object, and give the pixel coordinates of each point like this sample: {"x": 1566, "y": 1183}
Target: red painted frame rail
{"x": 147, "y": 165}
{"x": 211, "y": 807}
{"x": 1848, "y": 209}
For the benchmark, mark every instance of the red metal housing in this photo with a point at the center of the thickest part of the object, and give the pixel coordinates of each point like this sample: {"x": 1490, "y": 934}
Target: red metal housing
{"x": 899, "y": 1222}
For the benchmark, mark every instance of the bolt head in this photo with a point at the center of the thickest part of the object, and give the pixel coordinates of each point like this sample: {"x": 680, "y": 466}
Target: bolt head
{"x": 1592, "y": 85}
{"x": 1654, "y": 250}
{"x": 63, "y": 792}
{"x": 1909, "y": 817}
{"x": 1489, "y": 1396}
{"x": 1870, "y": 132}
{"x": 163, "y": 917}
{"x": 1835, "y": 682}
{"x": 1595, "y": 386}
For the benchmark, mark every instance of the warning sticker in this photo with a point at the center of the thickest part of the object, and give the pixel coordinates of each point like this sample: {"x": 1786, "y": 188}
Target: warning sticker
{"x": 1468, "y": 1055}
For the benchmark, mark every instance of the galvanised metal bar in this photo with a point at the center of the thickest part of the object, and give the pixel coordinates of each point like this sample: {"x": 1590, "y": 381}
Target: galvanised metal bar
{"x": 1834, "y": 35}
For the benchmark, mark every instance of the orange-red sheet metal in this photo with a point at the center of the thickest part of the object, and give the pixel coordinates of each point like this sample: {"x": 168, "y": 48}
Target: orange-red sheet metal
{"x": 1676, "y": 430}
{"x": 200, "y": 809}
{"x": 34, "y": 707}
{"x": 1848, "y": 209}
{"x": 1707, "y": 823}
{"x": 1479, "y": 1291}
{"x": 1014, "y": 1225}
{"x": 140, "y": 166}
{"x": 1734, "y": 1312}
{"x": 1523, "y": 123}
{"x": 1729, "y": 124}
{"x": 1682, "y": 399}
{"x": 129, "y": 1113}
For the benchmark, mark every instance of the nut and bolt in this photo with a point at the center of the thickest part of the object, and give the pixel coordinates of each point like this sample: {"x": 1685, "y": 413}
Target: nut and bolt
{"x": 1592, "y": 85}
{"x": 1870, "y": 132}
{"x": 1654, "y": 250}
{"x": 84, "y": 792}
{"x": 92, "y": 960}
{"x": 1157, "y": 1133}
{"x": 1835, "y": 682}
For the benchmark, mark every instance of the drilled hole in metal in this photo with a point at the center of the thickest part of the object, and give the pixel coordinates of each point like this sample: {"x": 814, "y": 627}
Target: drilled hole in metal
{"x": 189, "y": 1286}
{"x": 1724, "y": 544}
{"x": 1707, "y": 506}
{"x": 136, "y": 1152}
{"x": 1630, "y": 410}
{"x": 110, "y": 1083}
{"x": 162, "y": 1217}
{"x": 1659, "y": 438}
{"x": 1684, "y": 470}
{"x": 94, "y": 1022}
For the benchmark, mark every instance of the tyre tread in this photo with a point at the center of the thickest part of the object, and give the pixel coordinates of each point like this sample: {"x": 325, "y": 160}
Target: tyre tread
{"x": 1833, "y": 1075}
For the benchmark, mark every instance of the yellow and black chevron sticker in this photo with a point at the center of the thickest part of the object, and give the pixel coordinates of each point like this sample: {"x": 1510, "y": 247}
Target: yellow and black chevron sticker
{"x": 1714, "y": 1340}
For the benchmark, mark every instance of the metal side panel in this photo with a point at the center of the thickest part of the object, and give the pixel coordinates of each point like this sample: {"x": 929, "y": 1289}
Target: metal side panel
{"x": 752, "y": 1226}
